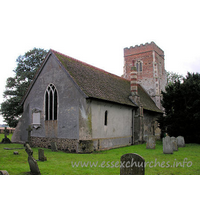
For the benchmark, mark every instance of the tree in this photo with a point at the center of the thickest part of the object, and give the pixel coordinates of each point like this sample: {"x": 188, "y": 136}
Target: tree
{"x": 182, "y": 108}
{"x": 16, "y": 86}
{"x": 173, "y": 77}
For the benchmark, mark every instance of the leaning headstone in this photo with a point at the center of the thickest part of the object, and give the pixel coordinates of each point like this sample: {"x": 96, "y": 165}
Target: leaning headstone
{"x": 167, "y": 145}
{"x": 181, "y": 141}
{"x": 28, "y": 149}
{"x": 3, "y": 172}
{"x": 54, "y": 146}
{"x": 31, "y": 160}
{"x": 41, "y": 156}
{"x": 29, "y": 129}
{"x": 132, "y": 164}
{"x": 174, "y": 144}
{"x": 151, "y": 142}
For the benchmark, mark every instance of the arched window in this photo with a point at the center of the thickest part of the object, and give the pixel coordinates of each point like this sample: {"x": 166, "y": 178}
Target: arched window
{"x": 106, "y": 118}
{"x": 139, "y": 66}
{"x": 51, "y": 102}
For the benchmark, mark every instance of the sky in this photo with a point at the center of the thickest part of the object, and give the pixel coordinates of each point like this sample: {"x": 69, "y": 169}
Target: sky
{"x": 96, "y": 32}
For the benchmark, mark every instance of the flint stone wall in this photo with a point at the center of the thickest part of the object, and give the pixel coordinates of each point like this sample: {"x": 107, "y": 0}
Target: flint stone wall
{"x": 68, "y": 145}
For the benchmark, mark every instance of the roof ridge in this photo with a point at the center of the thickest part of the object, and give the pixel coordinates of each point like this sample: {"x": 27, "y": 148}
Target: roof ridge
{"x": 89, "y": 65}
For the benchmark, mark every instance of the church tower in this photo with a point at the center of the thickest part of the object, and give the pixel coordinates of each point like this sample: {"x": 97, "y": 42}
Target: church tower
{"x": 149, "y": 62}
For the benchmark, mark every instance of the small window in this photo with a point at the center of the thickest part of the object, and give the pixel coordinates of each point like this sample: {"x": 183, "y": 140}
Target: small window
{"x": 139, "y": 66}
{"x": 106, "y": 118}
{"x": 51, "y": 103}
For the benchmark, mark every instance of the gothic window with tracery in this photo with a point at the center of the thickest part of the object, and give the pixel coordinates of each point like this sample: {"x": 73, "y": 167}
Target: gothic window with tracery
{"x": 51, "y": 102}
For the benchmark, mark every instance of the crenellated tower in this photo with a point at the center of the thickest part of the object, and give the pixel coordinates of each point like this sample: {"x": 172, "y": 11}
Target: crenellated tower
{"x": 148, "y": 60}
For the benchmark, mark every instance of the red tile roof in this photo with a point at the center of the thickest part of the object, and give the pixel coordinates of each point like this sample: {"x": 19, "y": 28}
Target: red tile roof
{"x": 96, "y": 83}
{"x": 99, "y": 84}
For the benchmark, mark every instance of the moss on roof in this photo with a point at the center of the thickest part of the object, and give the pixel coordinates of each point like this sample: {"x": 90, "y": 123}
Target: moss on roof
{"x": 97, "y": 83}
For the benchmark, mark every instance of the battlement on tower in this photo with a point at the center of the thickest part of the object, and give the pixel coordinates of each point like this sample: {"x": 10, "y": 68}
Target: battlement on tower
{"x": 143, "y": 48}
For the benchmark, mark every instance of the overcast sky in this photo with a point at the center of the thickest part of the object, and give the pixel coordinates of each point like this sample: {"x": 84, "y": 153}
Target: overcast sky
{"x": 96, "y": 32}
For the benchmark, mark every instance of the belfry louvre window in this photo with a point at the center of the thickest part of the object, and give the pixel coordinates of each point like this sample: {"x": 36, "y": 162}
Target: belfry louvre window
{"x": 51, "y": 102}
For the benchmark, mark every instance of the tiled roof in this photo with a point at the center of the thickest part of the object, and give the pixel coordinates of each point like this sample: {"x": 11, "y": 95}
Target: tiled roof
{"x": 99, "y": 84}
{"x": 147, "y": 102}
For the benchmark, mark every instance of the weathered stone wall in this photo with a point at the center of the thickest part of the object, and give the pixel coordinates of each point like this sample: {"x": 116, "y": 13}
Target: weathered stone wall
{"x": 109, "y": 143}
{"x": 118, "y": 129}
{"x": 70, "y": 100}
{"x": 67, "y": 145}
{"x": 85, "y": 121}
{"x": 20, "y": 134}
{"x": 150, "y": 126}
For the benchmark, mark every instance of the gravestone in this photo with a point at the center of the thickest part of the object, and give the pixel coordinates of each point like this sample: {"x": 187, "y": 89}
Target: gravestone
{"x": 31, "y": 160}
{"x": 167, "y": 145}
{"x": 174, "y": 144}
{"x": 180, "y": 141}
{"x": 29, "y": 129}
{"x": 41, "y": 156}
{"x": 132, "y": 164}
{"x": 28, "y": 149}
{"x": 6, "y": 131}
{"x": 151, "y": 142}
{"x": 6, "y": 140}
{"x": 3, "y": 172}
{"x": 16, "y": 153}
{"x": 54, "y": 146}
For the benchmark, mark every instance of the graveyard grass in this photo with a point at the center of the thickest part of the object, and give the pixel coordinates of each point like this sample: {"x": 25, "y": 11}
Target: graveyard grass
{"x": 60, "y": 163}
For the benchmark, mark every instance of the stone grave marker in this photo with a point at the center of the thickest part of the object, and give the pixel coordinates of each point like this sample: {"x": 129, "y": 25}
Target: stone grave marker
{"x": 54, "y": 146}
{"x": 29, "y": 129}
{"x": 6, "y": 140}
{"x": 174, "y": 144}
{"x": 41, "y": 156}
{"x": 180, "y": 141}
{"x": 6, "y": 131}
{"x": 151, "y": 142}
{"x": 167, "y": 145}
{"x": 3, "y": 172}
{"x": 132, "y": 164}
{"x": 31, "y": 160}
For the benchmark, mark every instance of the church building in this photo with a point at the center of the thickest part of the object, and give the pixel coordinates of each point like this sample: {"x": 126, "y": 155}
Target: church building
{"x": 83, "y": 108}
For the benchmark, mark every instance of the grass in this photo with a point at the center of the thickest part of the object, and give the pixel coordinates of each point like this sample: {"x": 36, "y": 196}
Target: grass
{"x": 60, "y": 163}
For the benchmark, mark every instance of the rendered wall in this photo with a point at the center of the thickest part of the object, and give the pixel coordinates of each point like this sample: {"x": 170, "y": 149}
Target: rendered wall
{"x": 70, "y": 100}
{"x": 117, "y": 132}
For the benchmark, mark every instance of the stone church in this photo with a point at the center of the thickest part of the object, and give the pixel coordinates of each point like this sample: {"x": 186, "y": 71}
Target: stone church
{"x": 83, "y": 108}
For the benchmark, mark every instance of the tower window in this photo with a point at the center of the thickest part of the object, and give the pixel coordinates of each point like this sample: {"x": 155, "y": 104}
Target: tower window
{"x": 106, "y": 118}
{"x": 139, "y": 66}
{"x": 51, "y": 103}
